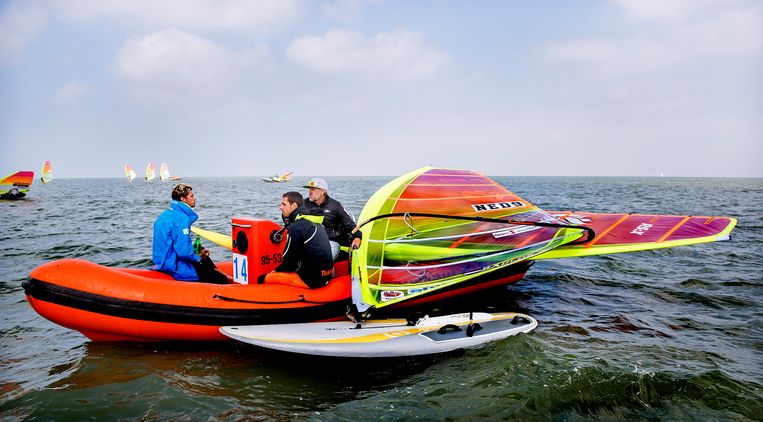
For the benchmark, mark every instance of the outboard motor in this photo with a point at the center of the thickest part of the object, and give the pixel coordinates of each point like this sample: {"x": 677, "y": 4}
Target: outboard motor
{"x": 255, "y": 251}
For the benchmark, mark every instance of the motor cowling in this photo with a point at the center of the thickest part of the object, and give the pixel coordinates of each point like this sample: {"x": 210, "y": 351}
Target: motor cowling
{"x": 255, "y": 250}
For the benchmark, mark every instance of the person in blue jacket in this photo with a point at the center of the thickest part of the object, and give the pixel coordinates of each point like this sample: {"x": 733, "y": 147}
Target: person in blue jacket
{"x": 173, "y": 251}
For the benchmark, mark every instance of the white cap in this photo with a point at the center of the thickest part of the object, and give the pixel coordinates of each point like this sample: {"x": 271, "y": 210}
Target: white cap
{"x": 318, "y": 183}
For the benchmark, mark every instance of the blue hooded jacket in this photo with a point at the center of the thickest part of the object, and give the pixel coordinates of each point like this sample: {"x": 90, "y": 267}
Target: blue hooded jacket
{"x": 173, "y": 249}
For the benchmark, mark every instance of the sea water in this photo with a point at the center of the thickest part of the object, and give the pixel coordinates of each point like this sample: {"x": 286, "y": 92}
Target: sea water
{"x": 665, "y": 334}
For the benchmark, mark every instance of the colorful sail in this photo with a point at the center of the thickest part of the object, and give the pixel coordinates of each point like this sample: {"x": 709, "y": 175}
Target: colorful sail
{"x": 16, "y": 185}
{"x": 150, "y": 172}
{"x": 47, "y": 172}
{"x": 164, "y": 172}
{"x": 435, "y": 227}
{"x": 129, "y": 173}
{"x": 617, "y": 233}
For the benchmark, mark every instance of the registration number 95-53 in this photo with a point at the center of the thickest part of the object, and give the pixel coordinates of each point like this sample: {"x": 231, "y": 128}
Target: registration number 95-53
{"x": 275, "y": 258}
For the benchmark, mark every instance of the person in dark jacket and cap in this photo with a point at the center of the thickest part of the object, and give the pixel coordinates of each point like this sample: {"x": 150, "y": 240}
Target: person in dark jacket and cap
{"x": 338, "y": 223}
{"x": 306, "y": 258}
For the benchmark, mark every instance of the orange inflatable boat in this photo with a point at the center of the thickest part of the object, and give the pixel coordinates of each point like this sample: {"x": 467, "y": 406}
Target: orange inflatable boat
{"x": 123, "y": 304}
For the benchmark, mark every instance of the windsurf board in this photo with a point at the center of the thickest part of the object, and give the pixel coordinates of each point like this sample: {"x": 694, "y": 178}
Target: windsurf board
{"x": 385, "y": 337}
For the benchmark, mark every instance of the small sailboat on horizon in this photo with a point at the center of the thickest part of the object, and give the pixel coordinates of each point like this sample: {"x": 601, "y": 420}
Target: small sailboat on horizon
{"x": 47, "y": 172}
{"x": 129, "y": 173}
{"x": 164, "y": 173}
{"x": 150, "y": 172}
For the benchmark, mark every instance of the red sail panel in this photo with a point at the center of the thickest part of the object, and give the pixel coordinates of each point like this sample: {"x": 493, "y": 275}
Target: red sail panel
{"x": 20, "y": 179}
{"x": 459, "y": 192}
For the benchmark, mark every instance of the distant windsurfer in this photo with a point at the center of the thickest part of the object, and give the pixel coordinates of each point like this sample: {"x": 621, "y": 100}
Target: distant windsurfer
{"x": 307, "y": 258}
{"x": 173, "y": 251}
{"x": 338, "y": 223}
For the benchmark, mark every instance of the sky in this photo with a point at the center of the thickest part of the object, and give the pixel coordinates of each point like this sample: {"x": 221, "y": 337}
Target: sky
{"x": 382, "y": 87}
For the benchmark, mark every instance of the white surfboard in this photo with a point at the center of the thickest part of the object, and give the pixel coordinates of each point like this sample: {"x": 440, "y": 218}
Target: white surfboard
{"x": 387, "y": 337}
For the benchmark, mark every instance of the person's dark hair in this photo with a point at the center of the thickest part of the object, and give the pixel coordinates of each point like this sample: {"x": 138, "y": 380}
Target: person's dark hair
{"x": 181, "y": 191}
{"x": 294, "y": 198}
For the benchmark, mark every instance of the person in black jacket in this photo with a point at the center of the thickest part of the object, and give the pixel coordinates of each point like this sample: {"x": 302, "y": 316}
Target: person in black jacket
{"x": 307, "y": 254}
{"x": 338, "y": 223}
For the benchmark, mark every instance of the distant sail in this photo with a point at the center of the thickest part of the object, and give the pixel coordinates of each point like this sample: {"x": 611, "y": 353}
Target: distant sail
{"x": 16, "y": 185}
{"x": 164, "y": 172}
{"x": 130, "y": 173}
{"x": 47, "y": 172}
{"x": 150, "y": 172}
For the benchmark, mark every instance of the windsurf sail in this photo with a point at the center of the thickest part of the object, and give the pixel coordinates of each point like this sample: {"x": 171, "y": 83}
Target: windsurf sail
{"x": 618, "y": 233}
{"x": 150, "y": 172}
{"x": 435, "y": 227}
{"x": 16, "y": 185}
{"x": 47, "y": 172}
{"x": 129, "y": 173}
{"x": 164, "y": 172}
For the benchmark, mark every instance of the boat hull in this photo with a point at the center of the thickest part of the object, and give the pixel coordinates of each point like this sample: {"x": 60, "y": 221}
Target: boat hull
{"x": 13, "y": 194}
{"x": 119, "y": 304}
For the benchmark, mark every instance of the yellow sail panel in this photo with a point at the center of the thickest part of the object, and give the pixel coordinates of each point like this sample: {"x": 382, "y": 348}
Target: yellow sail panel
{"x": 223, "y": 240}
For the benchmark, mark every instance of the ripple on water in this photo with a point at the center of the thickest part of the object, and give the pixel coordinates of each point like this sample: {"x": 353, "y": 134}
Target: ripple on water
{"x": 594, "y": 391}
{"x": 666, "y": 334}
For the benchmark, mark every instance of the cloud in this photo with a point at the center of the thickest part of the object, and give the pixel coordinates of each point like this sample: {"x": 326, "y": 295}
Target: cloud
{"x": 234, "y": 14}
{"x": 347, "y": 10}
{"x": 714, "y": 34}
{"x": 20, "y": 23}
{"x": 662, "y": 9}
{"x": 69, "y": 93}
{"x": 172, "y": 64}
{"x": 399, "y": 54}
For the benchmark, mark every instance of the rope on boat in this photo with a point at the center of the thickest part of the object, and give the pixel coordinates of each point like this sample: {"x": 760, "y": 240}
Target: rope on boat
{"x": 301, "y": 299}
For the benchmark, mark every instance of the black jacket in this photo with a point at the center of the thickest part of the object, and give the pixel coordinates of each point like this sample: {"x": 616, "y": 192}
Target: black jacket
{"x": 307, "y": 252}
{"x": 339, "y": 225}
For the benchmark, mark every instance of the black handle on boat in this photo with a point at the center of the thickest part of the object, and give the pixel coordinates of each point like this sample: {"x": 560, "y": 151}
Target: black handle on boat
{"x": 276, "y": 236}
{"x": 590, "y": 233}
